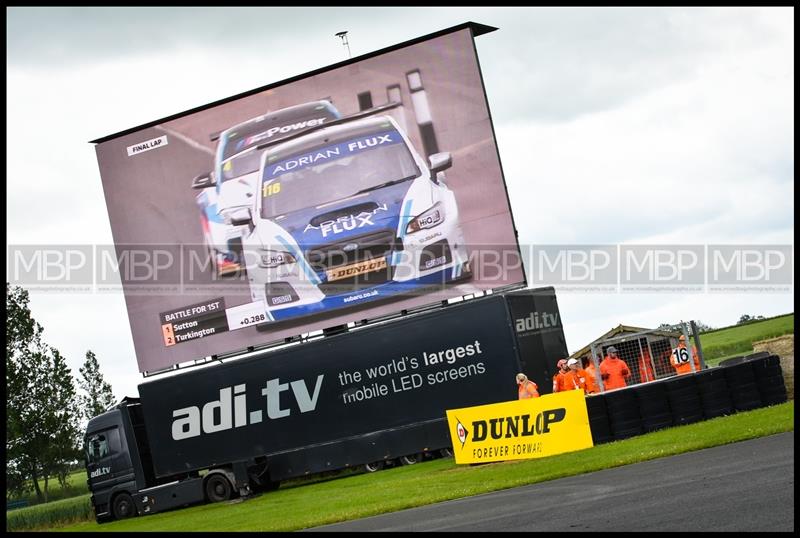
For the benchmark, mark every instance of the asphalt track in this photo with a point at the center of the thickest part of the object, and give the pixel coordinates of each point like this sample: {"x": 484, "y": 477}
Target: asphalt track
{"x": 746, "y": 486}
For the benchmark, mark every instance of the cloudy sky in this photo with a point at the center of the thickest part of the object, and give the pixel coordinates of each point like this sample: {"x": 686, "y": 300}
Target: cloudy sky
{"x": 614, "y": 126}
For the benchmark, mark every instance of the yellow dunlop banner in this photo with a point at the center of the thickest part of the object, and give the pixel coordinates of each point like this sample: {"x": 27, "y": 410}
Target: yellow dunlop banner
{"x": 521, "y": 429}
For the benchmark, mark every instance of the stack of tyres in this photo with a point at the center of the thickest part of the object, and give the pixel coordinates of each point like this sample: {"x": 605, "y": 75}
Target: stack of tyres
{"x": 598, "y": 419}
{"x": 742, "y": 386}
{"x": 769, "y": 379}
{"x": 684, "y": 399}
{"x": 653, "y": 405}
{"x": 623, "y": 413}
{"x": 714, "y": 394}
{"x": 732, "y": 361}
{"x": 757, "y": 355}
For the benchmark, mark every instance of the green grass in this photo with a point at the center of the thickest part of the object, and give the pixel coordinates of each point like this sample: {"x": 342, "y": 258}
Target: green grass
{"x": 362, "y": 495}
{"x": 51, "y": 514}
{"x": 76, "y": 486}
{"x": 738, "y": 339}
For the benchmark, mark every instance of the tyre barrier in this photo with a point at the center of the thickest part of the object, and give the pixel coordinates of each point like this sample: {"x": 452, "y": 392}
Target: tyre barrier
{"x": 684, "y": 399}
{"x": 732, "y": 361}
{"x": 714, "y": 396}
{"x": 769, "y": 380}
{"x": 742, "y": 386}
{"x": 623, "y": 413}
{"x": 757, "y": 355}
{"x": 598, "y": 419}
{"x": 654, "y": 405}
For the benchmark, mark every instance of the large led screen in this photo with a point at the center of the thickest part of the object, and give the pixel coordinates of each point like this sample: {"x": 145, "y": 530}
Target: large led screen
{"x": 348, "y": 194}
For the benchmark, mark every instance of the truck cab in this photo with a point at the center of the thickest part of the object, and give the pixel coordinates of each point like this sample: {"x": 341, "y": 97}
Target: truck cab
{"x": 122, "y": 477}
{"x": 110, "y": 451}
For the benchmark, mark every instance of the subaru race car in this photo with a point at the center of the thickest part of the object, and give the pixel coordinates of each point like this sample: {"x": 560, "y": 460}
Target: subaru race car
{"x": 229, "y": 188}
{"x": 347, "y": 214}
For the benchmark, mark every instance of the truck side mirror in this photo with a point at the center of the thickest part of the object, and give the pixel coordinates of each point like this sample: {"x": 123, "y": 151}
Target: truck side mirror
{"x": 242, "y": 217}
{"x": 204, "y": 181}
{"x": 440, "y": 162}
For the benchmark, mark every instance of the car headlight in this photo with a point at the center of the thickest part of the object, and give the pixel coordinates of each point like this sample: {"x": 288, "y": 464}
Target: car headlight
{"x": 274, "y": 258}
{"x": 430, "y": 218}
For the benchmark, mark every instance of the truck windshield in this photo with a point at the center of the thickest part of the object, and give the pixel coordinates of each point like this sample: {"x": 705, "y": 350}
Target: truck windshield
{"x": 100, "y": 445}
{"x": 333, "y": 172}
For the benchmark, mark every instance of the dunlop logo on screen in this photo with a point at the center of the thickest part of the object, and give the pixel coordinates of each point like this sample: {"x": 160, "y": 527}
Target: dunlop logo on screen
{"x": 535, "y": 428}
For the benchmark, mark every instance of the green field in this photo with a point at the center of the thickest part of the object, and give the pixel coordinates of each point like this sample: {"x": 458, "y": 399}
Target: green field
{"x": 362, "y": 495}
{"x": 76, "y": 485}
{"x": 738, "y": 339}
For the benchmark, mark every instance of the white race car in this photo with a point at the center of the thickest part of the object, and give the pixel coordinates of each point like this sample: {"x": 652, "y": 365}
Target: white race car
{"x": 230, "y": 187}
{"x": 349, "y": 213}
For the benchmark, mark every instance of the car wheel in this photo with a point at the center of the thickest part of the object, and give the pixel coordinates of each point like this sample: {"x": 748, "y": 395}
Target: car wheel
{"x": 374, "y": 466}
{"x": 218, "y": 488}
{"x": 123, "y": 506}
{"x": 410, "y": 459}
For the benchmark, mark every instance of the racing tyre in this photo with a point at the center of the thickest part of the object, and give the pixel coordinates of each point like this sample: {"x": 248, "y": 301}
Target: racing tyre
{"x": 123, "y": 506}
{"x": 714, "y": 395}
{"x": 653, "y": 406}
{"x": 758, "y": 355}
{"x": 684, "y": 399}
{"x": 598, "y": 419}
{"x": 732, "y": 361}
{"x": 742, "y": 386}
{"x": 623, "y": 413}
{"x": 218, "y": 488}
{"x": 769, "y": 379}
{"x": 375, "y": 466}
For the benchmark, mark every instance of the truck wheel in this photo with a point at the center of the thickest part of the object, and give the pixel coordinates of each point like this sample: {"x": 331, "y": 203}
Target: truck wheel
{"x": 410, "y": 459}
{"x": 123, "y": 506}
{"x": 218, "y": 488}
{"x": 374, "y": 466}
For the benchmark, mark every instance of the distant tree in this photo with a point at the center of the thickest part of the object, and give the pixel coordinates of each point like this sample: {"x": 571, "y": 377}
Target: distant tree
{"x": 97, "y": 395}
{"x": 702, "y": 327}
{"x": 747, "y": 317}
{"x": 41, "y": 413}
{"x": 677, "y": 327}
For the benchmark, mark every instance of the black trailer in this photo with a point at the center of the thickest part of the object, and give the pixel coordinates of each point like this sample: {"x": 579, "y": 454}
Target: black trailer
{"x": 365, "y": 397}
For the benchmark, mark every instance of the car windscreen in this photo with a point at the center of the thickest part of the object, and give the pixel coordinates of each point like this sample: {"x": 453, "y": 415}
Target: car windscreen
{"x": 240, "y": 165}
{"x": 335, "y": 171}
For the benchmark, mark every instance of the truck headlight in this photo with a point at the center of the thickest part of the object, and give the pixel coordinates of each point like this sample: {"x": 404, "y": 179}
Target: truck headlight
{"x": 430, "y": 218}
{"x": 271, "y": 259}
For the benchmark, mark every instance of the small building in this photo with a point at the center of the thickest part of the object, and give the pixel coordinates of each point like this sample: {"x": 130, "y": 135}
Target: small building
{"x": 646, "y": 351}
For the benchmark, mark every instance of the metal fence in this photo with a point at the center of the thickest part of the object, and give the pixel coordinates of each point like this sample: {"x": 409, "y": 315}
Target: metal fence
{"x": 647, "y": 354}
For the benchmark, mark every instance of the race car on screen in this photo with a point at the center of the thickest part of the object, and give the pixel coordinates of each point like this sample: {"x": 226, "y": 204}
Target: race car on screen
{"x": 350, "y": 213}
{"x": 230, "y": 187}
